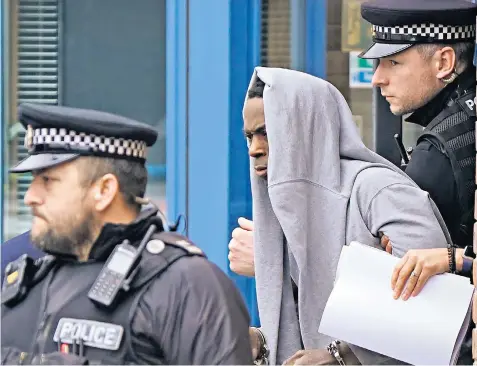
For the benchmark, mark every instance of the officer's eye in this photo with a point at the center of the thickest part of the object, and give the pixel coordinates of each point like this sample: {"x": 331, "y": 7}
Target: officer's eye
{"x": 393, "y": 63}
{"x": 46, "y": 179}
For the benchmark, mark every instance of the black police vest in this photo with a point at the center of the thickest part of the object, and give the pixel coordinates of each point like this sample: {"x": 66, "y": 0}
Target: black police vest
{"x": 105, "y": 333}
{"x": 454, "y": 129}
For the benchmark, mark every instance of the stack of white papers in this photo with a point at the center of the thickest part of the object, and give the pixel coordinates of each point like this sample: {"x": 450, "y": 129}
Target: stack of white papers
{"x": 426, "y": 329}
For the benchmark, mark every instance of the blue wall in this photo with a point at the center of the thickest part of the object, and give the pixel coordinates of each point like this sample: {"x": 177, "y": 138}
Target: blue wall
{"x": 316, "y": 37}
{"x": 212, "y": 48}
{"x": 2, "y": 113}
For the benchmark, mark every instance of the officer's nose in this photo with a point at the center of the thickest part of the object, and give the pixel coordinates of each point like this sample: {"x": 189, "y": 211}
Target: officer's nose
{"x": 258, "y": 147}
{"x": 379, "y": 78}
{"x": 33, "y": 194}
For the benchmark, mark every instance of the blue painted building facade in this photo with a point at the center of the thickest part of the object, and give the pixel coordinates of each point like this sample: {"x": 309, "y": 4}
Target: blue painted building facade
{"x": 186, "y": 70}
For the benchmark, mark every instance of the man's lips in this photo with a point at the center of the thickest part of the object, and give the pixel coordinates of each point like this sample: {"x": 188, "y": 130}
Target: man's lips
{"x": 261, "y": 170}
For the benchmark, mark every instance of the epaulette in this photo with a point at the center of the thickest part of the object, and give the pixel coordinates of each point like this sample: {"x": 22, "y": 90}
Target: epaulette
{"x": 180, "y": 241}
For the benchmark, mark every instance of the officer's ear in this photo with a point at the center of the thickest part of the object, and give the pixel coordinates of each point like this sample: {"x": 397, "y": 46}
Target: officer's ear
{"x": 446, "y": 62}
{"x": 104, "y": 191}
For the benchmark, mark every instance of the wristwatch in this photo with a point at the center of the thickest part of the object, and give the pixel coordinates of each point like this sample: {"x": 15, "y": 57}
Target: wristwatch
{"x": 468, "y": 261}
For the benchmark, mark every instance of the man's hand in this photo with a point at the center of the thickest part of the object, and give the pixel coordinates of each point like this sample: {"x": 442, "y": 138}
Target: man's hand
{"x": 312, "y": 357}
{"x": 241, "y": 254}
{"x": 386, "y": 244}
{"x": 254, "y": 342}
{"x": 416, "y": 267}
{"x": 414, "y": 270}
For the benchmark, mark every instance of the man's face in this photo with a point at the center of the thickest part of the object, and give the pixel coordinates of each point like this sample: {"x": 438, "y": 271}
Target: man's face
{"x": 63, "y": 214}
{"x": 255, "y": 132}
{"x": 407, "y": 80}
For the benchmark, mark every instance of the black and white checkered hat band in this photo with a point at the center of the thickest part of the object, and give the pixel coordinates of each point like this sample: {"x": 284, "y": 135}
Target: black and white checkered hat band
{"x": 424, "y": 32}
{"x": 72, "y": 141}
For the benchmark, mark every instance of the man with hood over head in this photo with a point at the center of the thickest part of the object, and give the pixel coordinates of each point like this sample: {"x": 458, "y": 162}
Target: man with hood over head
{"x": 316, "y": 188}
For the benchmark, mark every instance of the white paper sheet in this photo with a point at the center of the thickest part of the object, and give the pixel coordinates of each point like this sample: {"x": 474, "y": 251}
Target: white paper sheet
{"x": 361, "y": 309}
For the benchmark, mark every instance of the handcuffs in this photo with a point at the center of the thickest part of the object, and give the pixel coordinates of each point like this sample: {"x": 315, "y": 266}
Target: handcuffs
{"x": 333, "y": 350}
{"x": 264, "y": 351}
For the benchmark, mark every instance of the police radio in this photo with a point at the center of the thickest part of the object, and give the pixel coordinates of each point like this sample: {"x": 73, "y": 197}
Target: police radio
{"x": 402, "y": 151}
{"x": 118, "y": 272}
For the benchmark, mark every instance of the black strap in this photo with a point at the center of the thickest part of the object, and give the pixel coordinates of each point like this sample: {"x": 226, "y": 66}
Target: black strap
{"x": 459, "y": 129}
{"x": 154, "y": 264}
{"x": 445, "y": 113}
{"x": 464, "y": 152}
{"x": 457, "y": 170}
{"x": 467, "y": 102}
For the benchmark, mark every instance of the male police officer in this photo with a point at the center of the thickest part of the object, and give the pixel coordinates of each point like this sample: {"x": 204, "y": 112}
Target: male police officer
{"x": 425, "y": 51}
{"x": 116, "y": 288}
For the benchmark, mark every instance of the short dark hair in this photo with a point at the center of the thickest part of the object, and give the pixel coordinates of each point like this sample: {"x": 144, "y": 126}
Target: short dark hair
{"x": 256, "y": 91}
{"x": 131, "y": 176}
{"x": 464, "y": 53}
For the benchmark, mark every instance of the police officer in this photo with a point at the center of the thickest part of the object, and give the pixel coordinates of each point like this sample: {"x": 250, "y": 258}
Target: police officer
{"x": 425, "y": 51}
{"x": 116, "y": 287}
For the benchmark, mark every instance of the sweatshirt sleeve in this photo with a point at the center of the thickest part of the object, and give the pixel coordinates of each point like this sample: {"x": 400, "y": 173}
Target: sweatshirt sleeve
{"x": 407, "y": 216}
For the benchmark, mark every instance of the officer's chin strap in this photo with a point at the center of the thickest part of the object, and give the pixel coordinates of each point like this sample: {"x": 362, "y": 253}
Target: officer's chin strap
{"x": 167, "y": 225}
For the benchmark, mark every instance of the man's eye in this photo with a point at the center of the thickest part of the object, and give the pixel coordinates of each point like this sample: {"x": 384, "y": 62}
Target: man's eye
{"x": 45, "y": 179}
{"x": 393, "y": 63}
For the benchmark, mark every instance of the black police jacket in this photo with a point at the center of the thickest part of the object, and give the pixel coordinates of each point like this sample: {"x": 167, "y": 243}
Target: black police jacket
{"x": 180, "y": 309}
{"x": 443, "y": 161}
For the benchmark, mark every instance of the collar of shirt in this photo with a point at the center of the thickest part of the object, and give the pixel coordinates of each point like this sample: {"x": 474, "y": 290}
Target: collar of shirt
{"x": 114, "y": 234}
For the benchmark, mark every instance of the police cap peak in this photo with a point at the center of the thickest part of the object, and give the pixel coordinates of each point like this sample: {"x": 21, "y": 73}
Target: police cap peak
{"x": 56, "y": 134}
{"x": 399, "y": 24}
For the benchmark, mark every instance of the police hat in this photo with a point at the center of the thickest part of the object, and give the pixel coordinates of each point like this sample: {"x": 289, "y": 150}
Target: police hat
{"x": 57, "y": 134}
{"x": 399, "y": 24}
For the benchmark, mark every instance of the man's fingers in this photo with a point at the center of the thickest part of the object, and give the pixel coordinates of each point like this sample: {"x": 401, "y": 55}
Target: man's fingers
{"x": 384, "y": 241}
{"x": 397, "y": 270}
{"x": 389, "y": 248}
{"x": 237, "y": 232}
{"x": 404, "y": 274}
{"x": 295, "y": 357}
{"x": 233, "y": 245}
{"x": 425, "y": 275}
{"x": 245, "y": 224}
{"x": 412, "y": 281}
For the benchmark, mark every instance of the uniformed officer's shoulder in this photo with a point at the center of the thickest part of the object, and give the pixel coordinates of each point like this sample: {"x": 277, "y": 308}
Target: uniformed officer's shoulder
{"x": 173, "y": 239}
{"x": 186, "y": 260}
{"x": 195, "y": 273}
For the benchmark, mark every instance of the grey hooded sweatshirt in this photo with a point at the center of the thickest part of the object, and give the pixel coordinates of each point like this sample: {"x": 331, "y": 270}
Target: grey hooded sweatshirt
{"x": 324, "y": 189}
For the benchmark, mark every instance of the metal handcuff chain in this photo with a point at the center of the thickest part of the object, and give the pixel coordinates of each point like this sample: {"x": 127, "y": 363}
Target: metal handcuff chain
{"x": 333, "y": 350}
{"x": 262, "y": 357}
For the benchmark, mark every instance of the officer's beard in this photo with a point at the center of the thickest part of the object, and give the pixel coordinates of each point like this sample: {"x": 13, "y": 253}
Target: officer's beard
{"x": 80, "y": 236}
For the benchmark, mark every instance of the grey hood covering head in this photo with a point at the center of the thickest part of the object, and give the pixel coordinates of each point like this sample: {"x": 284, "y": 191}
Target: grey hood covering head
{"x": 300, "y": 214}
